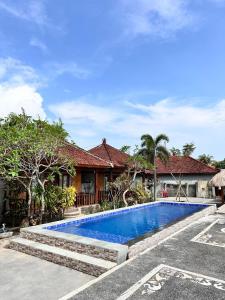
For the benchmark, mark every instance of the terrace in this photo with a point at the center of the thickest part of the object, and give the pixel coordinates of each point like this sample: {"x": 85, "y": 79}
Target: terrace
{"x": 183, "y": 260}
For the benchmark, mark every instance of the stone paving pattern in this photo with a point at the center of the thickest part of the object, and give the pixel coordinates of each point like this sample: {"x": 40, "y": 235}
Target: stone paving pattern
{"x": 179, "y": 252}
{"x": 214, "y": 236}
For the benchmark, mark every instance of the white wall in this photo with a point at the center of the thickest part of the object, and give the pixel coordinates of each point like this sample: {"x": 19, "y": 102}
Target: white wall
{"x": 200, "y": 181}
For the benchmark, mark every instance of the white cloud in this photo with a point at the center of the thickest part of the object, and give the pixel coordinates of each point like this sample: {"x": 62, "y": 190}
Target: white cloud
{"x": 14, "y": 98}
{"x": 18, "y": 89}
{"x": 32, "y": 11}
{"x": 14, "y": 71}
{"x": 72, "y": 68}
{"x": 79, "y": 111}
{"x": 170, "y": 113}
{"x": 39, "y": 44}
{"x": 159, "y": 18}
{"x": 156, "y": 17}
{"x": 183, "y": 121}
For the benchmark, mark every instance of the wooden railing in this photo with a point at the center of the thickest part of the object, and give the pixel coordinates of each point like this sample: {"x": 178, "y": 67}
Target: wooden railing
{"x": 89, "y": 198}
{"x": 85, "y": 199}
{"x": 104, "y": 196}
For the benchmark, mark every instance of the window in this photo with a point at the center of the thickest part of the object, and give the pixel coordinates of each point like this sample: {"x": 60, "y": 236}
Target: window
{"x": 106, "y": 183}
{"x": 64, "y": 180}
{"x": 88, "y": 182}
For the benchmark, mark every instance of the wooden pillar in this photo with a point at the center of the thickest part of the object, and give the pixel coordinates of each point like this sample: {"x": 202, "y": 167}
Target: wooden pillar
{"x": 222, "y": 194}
{"x": 214, "y": 192}
{"x": 98, "y": 184}
{"x": 111, "y": 176}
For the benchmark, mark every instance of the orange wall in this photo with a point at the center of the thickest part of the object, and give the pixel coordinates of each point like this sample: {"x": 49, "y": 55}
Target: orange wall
{"x": 77, "y": 181}
{"x": 99, "y": 181}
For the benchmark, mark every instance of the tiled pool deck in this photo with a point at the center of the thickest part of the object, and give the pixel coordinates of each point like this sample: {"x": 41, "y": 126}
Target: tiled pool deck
{"x": 187, "y": 265}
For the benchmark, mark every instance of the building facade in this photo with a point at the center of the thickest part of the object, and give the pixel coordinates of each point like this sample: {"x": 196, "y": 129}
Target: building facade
{"x": 185, "y": 176}
{"x": 94, "y": 170}
{"x": 180, "y": 176}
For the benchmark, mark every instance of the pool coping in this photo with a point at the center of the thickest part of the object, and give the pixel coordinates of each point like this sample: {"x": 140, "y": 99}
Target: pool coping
{"x": 121, "y": 249}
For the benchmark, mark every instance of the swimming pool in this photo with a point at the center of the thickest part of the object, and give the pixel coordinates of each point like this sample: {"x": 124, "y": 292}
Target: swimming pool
{"x": 127, "y": 225}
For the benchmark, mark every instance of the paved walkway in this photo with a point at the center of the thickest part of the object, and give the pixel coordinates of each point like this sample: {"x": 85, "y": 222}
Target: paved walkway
{"x": 26, "y": 277}
{"x": 190, "y": 265}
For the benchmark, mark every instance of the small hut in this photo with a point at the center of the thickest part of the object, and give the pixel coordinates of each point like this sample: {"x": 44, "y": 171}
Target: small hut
{"x": 219, "y": 181}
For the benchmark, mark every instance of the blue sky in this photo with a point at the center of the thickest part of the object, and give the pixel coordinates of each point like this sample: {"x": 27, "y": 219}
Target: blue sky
{"x": 118, "y": 68}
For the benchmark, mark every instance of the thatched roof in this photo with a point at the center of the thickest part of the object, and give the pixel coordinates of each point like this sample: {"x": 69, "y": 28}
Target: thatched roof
{"x": 219, "y": 179}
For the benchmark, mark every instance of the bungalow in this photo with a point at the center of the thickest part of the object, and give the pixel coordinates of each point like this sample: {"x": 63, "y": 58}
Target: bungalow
{"x": 91, "y": 173}
{"x": 188, "y": 173}
{"x": 94, "y": 170}
{"x": 100, "y": 165}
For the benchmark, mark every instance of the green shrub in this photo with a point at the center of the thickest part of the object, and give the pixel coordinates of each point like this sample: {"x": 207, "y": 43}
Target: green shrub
{"x": 68, "y": 197}
{"x": 57, "y": 199}
{"x": 53, "y": 199}
{"x": 141, "y": 194}
{"x": 106, "y": 205}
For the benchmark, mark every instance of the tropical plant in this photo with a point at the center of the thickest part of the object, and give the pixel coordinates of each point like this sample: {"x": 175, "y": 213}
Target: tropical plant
{"x": 106, "y": 205}
{"x": 219, "y": 164}
{"x": 53, "y": 199}
{"x": 136, "y": 164}
{"x": 142, "y": 194}
{"x": 188, "y": 149}
{"x": 206, "y": 159}
{"x": 68, "y": 197}
{"x": 125, "y": 149}
{"x": 175, "y": 151}
{"x": 117, "y": 188}
{"x": 151, "y": 149}
{"x": 31, "y": 152}
{"x": 57, "y": 199}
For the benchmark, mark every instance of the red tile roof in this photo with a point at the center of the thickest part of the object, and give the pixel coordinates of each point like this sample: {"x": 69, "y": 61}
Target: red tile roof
{"x": 83, "y": 158}
{"x": 184, "y": 165}
{"x": 118, "y": 158}
{"x": 106, "y": 156}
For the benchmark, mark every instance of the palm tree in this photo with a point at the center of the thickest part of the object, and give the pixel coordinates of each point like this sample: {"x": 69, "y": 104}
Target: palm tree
{"x": 125, "y": 149}
{"x": 219, "y": 164}
{"x": 151, "y": 149}
{"x": 175, "y": 151}
{"x": 206, "y": 159}
{"x": 188, "y": 149}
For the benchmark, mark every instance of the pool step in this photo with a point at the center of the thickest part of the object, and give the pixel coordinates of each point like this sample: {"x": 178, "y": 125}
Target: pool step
{"x": 80, "y": 262}
{"x": 80, "y": 246}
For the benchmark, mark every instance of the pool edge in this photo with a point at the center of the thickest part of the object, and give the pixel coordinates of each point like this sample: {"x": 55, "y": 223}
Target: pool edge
{"x": 156, "y": 238}
{"x": 121, "y": 251}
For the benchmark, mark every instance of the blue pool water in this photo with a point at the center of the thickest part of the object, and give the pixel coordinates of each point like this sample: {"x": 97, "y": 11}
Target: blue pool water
{"x": 130, "y": 224}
